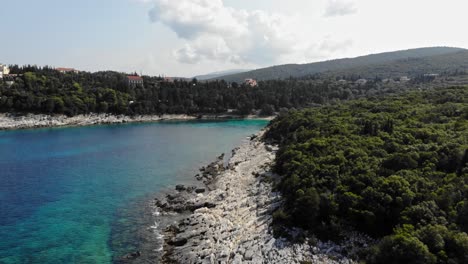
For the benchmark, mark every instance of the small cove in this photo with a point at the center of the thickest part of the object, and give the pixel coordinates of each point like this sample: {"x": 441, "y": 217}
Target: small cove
{"x": 83, "y": 194}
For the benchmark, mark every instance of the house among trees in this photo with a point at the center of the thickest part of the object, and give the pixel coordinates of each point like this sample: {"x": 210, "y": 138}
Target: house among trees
{"x": 431, "y": 75}
{"x": 251, "y": 82}
{"x": 405, "y": 79}
{"x": 67, "y": 70}
{"x": 4, "y": 70}
{"x": 361, "y": 82}
{"x": 134, "y": 80}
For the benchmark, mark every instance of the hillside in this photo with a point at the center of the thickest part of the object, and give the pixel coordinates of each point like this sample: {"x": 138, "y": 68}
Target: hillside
{"x": 214, "y": 75}
{"x": 394, "y": 168}
{"x": 452, "y": 62}
{"x": 398, "y": 63}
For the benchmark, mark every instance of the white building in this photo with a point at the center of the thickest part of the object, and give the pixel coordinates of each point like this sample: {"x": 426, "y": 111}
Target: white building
{"x": 431, "y": 75}
{"x": 361, "y": 82}
{"x": 404, "y": 79}
{"x": 4, "y": 70}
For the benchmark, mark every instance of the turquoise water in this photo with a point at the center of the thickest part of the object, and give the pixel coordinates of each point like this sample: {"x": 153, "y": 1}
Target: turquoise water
{"x": 78, "y": 195}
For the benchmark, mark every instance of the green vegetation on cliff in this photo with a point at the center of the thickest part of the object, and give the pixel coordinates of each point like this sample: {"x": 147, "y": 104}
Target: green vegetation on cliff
{"x": 393, "y": 167}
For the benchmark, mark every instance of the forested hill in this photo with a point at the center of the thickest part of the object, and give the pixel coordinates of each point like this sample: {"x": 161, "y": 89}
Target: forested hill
{"x": 388, "y": 65}
{"x": 394, "y": 167}
{"x": 215, "y": 75}
{"x": 34, "y": 89}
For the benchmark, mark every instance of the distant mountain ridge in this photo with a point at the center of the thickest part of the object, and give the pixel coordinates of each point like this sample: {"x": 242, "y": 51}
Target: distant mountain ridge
{"x": 425, "y": 59}
{"x": 214, "y": 75}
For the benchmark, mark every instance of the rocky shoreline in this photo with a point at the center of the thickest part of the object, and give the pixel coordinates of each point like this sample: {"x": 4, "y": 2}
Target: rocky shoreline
{"x": 229, "y": 217}
{"x": 10, "y": 121}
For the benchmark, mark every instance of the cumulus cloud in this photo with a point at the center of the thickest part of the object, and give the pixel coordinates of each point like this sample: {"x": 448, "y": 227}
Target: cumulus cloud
{"x": 340, "y": 8}
{"x": 215, "y": 32}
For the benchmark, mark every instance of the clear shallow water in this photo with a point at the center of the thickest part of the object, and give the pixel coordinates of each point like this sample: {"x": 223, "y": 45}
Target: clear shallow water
{"x": 78, "y": 195}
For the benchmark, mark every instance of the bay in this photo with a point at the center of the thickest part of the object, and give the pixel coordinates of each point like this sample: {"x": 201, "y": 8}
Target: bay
{"x": 71, "y": 195}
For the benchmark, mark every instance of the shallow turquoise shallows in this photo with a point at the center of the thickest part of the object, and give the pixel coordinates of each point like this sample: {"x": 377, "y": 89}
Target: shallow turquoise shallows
{"x": 78, "y": 195}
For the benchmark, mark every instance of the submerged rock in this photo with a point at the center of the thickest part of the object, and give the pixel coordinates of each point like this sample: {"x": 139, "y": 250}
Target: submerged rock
{"x": 180, "y": 187}
{"x": 131, "y": 256}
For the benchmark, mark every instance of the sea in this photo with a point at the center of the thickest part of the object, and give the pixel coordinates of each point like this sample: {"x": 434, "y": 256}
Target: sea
{"x": 86, "y": 194}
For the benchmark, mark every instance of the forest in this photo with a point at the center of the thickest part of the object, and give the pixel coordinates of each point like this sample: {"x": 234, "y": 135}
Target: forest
{"x": 383, "y": 65}
{"x": 393, "y": 167}
{"x": 46, "y": 90}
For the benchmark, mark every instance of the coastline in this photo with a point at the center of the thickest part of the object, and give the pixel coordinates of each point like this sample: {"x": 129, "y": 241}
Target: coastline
{"x": 229, "y": 220}
{"x": 10, "y": 121}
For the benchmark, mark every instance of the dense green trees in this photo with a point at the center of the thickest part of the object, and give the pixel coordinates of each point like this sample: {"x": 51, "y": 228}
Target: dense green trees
{"x": 45, "y": 90}
{"x": 393, "y": 167}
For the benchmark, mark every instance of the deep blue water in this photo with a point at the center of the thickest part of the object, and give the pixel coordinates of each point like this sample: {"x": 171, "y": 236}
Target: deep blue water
{"x": 71, "y": 195}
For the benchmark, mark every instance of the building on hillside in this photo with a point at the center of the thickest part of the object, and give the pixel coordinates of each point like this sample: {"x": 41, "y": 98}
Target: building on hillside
{"x": 67, "y": 70}
{"x": 6, "y": 77}
{"x": 133, "y": 80}
{"x": 12, "y": 75}
{"x": 361, "y": 82}
{"x": 431, "y": 75}
{"x": 4, "y": 70}
{"x": 404, "y": 79}
{"x": 251, "y": 82}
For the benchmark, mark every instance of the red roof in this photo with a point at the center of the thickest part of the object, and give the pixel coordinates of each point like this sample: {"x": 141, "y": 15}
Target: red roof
{"x": 135, "y": 78}
{"x": 65, "y": 69}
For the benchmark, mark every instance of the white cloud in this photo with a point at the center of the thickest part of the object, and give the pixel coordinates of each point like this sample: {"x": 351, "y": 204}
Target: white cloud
{"x": 340, "y": 8}
{"x": 206, "y": 46}
{"x": 214, "y": 32}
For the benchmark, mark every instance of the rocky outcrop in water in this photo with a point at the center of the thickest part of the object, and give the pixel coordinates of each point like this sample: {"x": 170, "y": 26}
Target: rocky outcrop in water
{"x": 210, "y": 172}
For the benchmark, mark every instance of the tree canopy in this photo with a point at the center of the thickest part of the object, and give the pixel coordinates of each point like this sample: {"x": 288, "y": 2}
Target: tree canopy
{"x": 392, "y": 167}
{"x": 45, "y": 90}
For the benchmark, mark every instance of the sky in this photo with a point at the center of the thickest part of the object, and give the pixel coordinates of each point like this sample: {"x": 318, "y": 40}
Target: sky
{"x": 185, "y": 38}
